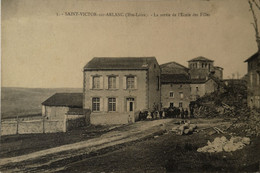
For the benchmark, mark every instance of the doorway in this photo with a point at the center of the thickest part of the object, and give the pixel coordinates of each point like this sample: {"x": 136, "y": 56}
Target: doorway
{"x": 130, "y": 104}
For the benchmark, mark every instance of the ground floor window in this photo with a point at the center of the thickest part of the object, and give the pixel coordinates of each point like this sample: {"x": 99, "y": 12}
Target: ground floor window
{"x": 95, "y": 104}
{"x": 171, "y": 94}
{"x": 171, "y": 104}
{"x": 181, "y": 95}
{"x": 180, "y": 104}
{"x": 111, "y": 104}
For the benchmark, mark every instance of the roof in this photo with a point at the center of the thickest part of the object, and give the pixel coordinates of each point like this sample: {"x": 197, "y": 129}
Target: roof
{"x": 175, "y": 78}
{"x": 175, "y": 63}
{"x": 65, "y": 99}
{"x": 173, "y": 68}
{"x": 252, "y": 57}
{"x": 200, "y": 58}
{"x": 198, "y": 81}
{"x": 218, "y": 67}
{"x": 120, "y": 63}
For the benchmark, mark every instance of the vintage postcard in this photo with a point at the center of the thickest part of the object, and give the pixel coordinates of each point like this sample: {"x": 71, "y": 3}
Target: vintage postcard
{"x": 130, "y": 86}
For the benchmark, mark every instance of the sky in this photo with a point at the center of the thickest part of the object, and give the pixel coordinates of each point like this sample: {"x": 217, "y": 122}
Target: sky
{"x": 43, "y": 46}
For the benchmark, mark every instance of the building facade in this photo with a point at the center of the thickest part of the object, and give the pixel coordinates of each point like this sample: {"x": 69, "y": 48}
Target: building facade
{"x": 117, "y": 89}
{"x": 62, "y": 112}
{"x": 253, "y": 80}
{"x": 181, "y": 85}
{"x": 201, "y": 67}
{"x": 201, "y": 87}
{"x": 175, "y": 90}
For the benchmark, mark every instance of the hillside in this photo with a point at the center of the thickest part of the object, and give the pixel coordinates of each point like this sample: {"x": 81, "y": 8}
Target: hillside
{"x": 27, "y": 101}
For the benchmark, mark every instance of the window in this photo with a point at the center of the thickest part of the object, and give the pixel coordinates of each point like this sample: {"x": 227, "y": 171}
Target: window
{"x": 197, "y": 88}
{"x": 95, "y": 104}
{"x": 171, "y": 94}
{"x": 180, "y": 86}
{"x": 180, "y": 104}
{"x": 202, "y": 65}
{"x": 96, "y": 82}
{"x": 111, "y": 82}
{"x": 181, "y": 95}
{"x": 130, "y": 82}
{"x": 171, "y": 104}
{"x": 111, "y": 104}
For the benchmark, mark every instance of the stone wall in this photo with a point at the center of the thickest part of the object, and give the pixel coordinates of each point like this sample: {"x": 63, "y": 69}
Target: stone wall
{"x": 109, "y": 118}
{"x": 10, "y": 127}
{"x": 33, "y": 126}
{"x": 54, "y": 126}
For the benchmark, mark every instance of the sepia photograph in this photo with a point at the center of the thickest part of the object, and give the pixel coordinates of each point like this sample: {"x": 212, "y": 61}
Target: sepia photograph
{"x": 130, "y": 86}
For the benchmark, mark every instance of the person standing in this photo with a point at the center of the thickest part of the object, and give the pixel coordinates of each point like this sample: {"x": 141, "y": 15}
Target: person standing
{"x": 182, "y": 113}
{"x": 186, "y": 113}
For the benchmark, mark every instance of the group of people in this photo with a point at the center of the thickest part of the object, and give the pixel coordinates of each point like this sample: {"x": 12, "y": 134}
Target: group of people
{"x": 174, "y": 112}
{"x": 171, "y": 112}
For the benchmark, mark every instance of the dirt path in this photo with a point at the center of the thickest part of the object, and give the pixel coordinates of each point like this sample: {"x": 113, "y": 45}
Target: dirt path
{"x": 33, "y": 161}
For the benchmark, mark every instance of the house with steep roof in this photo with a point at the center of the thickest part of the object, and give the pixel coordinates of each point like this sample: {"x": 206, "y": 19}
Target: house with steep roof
{"x": 253, "y": 80}
{"x": 115, "y": 89}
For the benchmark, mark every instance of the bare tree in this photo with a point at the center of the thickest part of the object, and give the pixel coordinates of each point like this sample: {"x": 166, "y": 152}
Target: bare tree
{"x": 252, "y": 4}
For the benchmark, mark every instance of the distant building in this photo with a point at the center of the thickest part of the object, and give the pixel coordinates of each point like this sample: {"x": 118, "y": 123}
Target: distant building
{"x": 253, "y": 83}
{"x": 201, "y": 67}
{"x": 116, "y": 89}
{"x": 218, "y": 72}
{"x": 181, "y": 85}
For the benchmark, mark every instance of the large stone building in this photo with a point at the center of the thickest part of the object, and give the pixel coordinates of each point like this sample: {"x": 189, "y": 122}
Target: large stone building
{"x": 181, "y": 85}
{"x": 116, "y": 89}
{"x": 253, "y": 82}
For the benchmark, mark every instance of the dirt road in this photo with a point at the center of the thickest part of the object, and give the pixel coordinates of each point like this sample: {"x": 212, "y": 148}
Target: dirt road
{"x": 55, "y": 159}
{"x": 41, "y": 159}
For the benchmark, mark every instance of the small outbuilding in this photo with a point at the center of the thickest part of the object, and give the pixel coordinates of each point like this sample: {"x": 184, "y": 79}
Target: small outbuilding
{"x": 63, "y": 111}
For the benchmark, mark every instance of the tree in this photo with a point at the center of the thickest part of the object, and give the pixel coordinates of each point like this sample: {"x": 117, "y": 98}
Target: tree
{"x": 255, "y": 4}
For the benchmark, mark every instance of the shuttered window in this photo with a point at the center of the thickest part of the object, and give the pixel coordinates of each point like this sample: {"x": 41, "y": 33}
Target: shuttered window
{"x": 111, "y": 104}
{"x": 112, "y": 82}
{"x": 130, "y": 82}
{"x": 96, "y": 82}
{"x": 95, "y": 104}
